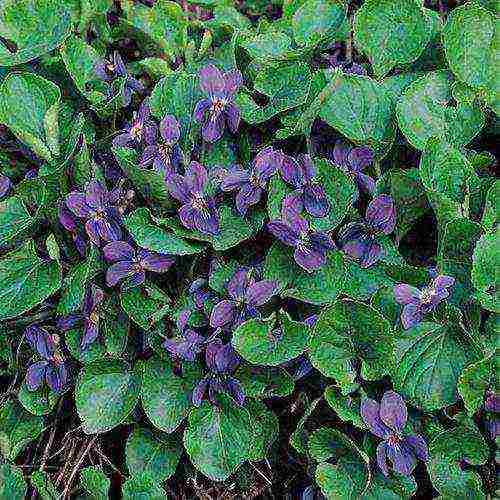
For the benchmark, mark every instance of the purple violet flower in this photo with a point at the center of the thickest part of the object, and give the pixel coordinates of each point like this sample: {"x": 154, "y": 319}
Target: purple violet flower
{"x": 97, "y": 208}
{"x": 308, "y": 194}
{"x": 133, "y": 264}
{"x": 108, "y": 71}
{"x": 358, "y": 239}
{"x": 198, "y": 210}
{"x": 251, "y": 183}
{"x": 189, "y": 344}
{"x": 199, "y": 292}
{"x": 246, "y": 295}
{"x": 353, "y": 161}
{"x": 68, "y": 221}
{"x": 51, "y": 369}
{"x": 492, "y": 402}
{"x": 142, "y": 129}
{"x": 417, "y": 303}
{"x": 5, "y": 185}
{"x": 387, "y": 421}
{"x": 89, "y": 316}
{"x": 222, "y": 361}
{"x": 311, "y": 247}
{"x": 163, "y": 153}
{"x": 219, "y": 108}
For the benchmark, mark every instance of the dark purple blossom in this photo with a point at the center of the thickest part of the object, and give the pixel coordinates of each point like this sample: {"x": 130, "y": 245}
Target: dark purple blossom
{"x": 132, "y": 264}
{"x": 198, "y": 210}
{"x": 163, "y": 152}
{"x": 88, "y": 318}
{"x": 110, "y": 70}
{"x": 492, "y": 402}
{"x": 219, "y": 108}
{"x": 353, "y": 161}
{"x": 387, "y": 421}
{"x": 222, "y": 361}
{"x": 98, "y": 207}
{"x": 5, "y": 185}
{"x": 311, "y": 247}
{"x": 335, "y": 60}
{"x": 246, "y": 295}
{"x": 69, "y": 222}
{"x": 188, "y": 344}
{"x": 252, "y": 183}
{"x": 308, "y": 194}
{"x": 142, "y": 129}
{"x": 51, "y": 369}
{"x": 417, "y": 303}
{"x": 359, "y": 239}
{"x": 200, "y": 293}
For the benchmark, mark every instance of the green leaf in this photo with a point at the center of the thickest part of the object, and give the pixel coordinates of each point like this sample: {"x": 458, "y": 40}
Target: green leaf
{"x": 26, "y": 280}
{"x": 316, "y": 20}
{"x": 265, "y": 429}
{"x": 166, "y": 397}
{"x": 285, "y": 85}
{"x": 33, "y": 27}
{"x": 218, "y": 438}
{"x": 95, "y": 482}
{"x": 142, "y": 487}
{"x": 491, "y": 214}
{"x": 320, "y": 287}
{"x": 361, "y": 109}
{"x": 484, "y": 273}
{"x": 361, "y": 283}
{"x": 105, "y": 395}
{"x": 152, "y": 237}
{"x": 271, "y": 342}
{"x": 17, "y": 429}
{"x": 428, "y": 359}
{"x": 145, "y": 305}
{"x": 177, "y": 94}
{"x": 39, "y": 402}
{"x": 300, "y": 436}
{"x": 267, "y": 46}
{"x": 152, "y": 452}
{"x": 392, "y": 32}
{"x": 473, "y": 383}
{"x": 347, "y": 407}
{"x": 115, "y": 327}
{"x": 470, "y": 41}
{"x": 12, "y": 483}
{"x": 44, "y": 486}
{"x": 94, "y": 352}
{"x": 149, "y": 183}
{"x": 165, "y": 23}
{"x": 220, "y": 274}
{"x": 264, "y": 382}
{"x": 394, "y": 487}
{"x": 345, "y": 332}
{"x": 15, "y": 221}
{"x": 29, "y": 106}
{"x": 424, "y": 111}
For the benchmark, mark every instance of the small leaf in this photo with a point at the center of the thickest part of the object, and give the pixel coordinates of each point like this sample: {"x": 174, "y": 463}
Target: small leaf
{"x": 142, "y": 487}
{"x": 264, "y": 382}
{"x": 265, "y": 430}
{"x": 347, "y": 407}
{"x": 44, "y": 486}
{"x": 95, "y": 482}
{"x": 12, "y": 483}
{"x": 473, "y": 383}
{"x": 15, "y": 221}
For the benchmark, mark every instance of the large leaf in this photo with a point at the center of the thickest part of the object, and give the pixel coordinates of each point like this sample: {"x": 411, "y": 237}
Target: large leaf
{"x": 218, "y": 438}
{"x": 424, "y": 111}
{"x": 361, "y": 109}
{"x": 105, "y": 395}
{"x": 12, "y": 483}
{"x": 26, "y": 280}
{"x": 32, "y": 28}
{"x": 348, "y": 331}
{"x": 152, "y": 452}
{"x": 474, "y": 381}
{"x": 142, "y": 487}
{"x": 266, "y": 429}
{"x": 270, "y": 342}
{"x": 29, "y": 106}
{"x": 15, "y": 221}
{"x": 392, "y": 32}
{"x": 166, "y": 396}
{"x": 95, "y": 482}
{"x": 428, "y": 359}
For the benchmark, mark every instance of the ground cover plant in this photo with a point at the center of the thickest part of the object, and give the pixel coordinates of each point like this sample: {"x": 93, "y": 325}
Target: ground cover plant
{"x": 248, "y": 249}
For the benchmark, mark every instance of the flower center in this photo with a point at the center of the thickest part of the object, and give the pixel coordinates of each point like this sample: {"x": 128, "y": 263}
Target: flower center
{"x": 136, "y": 130}
{"x": 218, "y": 106}
{"x": 427, "y": 295}
{"x": 199, "y": 203}
{"x": 393, "y": 440}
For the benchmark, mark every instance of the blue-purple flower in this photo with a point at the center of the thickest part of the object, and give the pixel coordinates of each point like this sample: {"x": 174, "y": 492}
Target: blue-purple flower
{"x": 5, "y": 185}
{"x": 132, "y": 264}
{"x": 141, "y": 129}
{"x": 308, "y": 194}
{"x": 88, "y": 318}
{"x": 163, "y": 152}
{"x": 417, "y": 303}
{"x": 198, "y": 210}
{"x": 188, "y": 344}
{"x": 387, "y": 421}
{"x": 310, "y": 246}
{"x": 252, "y": 183}
{"x": 110, "y": 70}
{"x": 69, "y": 222}
{"x": 200, "y": 293}
{"x": 246, "y": 295}
{"x": 218, "y": 109}
{"x": 98, "y": 207}
{"x": 353, "y": 161}
{"x": 51, "y": 369}
{"x": 222, "y": 361}
{"x": 359, "y": 239}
